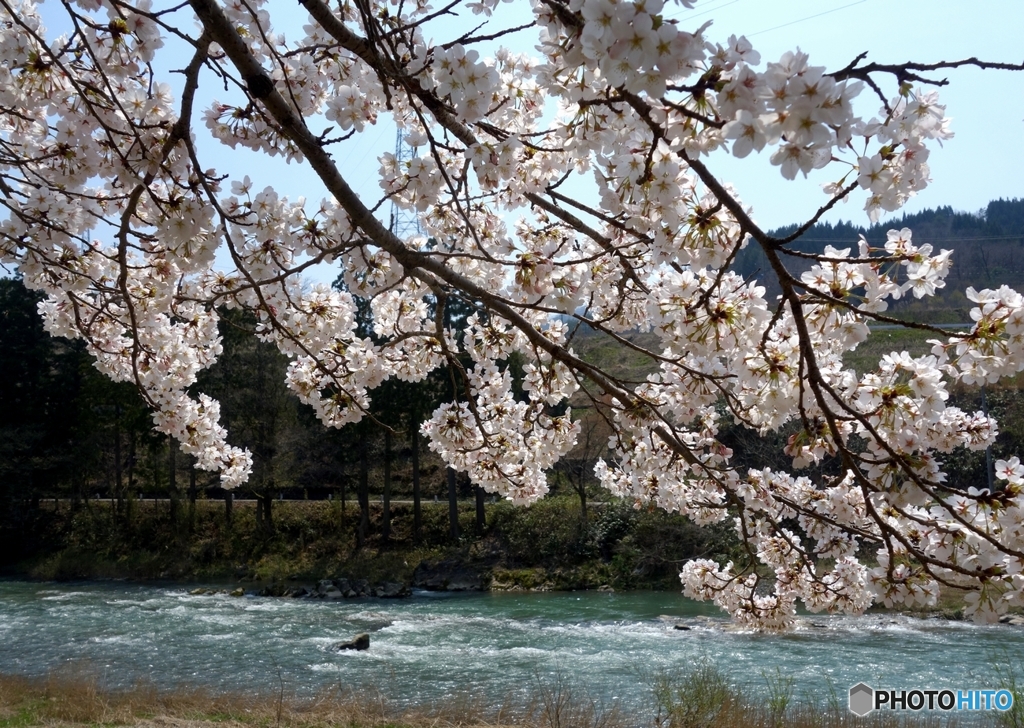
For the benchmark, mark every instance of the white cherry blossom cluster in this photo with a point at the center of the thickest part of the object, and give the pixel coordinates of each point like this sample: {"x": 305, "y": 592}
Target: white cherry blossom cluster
{"x": 505, "y": 446}
{"x": 899, "y": 410}
{"x": 630, "y": 45}
{"x": 459, "y": 75}
{"x": 995, "y": 346}
{"x": 806, "y": 115}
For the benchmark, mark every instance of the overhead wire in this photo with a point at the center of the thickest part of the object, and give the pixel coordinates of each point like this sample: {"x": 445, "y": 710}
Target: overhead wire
{"x": 809, "y": 17}
{"x": 701, "y": 10}
{"x": 714, "y": 7}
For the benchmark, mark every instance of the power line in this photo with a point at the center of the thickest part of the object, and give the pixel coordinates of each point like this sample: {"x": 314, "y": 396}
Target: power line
{"x": 693, "y": 13}
{"x": 366, "y": 149}
{"x": 809, "y": 17}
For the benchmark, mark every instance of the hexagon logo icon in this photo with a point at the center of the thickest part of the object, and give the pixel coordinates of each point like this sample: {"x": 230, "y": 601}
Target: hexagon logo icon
{"x": 862, "y": 699}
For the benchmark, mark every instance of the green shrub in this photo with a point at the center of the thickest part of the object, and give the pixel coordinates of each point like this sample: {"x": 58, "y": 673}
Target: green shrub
{"x": 698, "y": 698}
{"x": 548, "y": 533}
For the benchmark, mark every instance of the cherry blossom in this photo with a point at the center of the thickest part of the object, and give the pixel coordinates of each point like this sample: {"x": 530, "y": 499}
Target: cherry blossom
{"x": 569, "y": 186}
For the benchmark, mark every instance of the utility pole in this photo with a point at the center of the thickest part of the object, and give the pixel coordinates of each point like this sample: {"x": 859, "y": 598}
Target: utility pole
{"x": 989, "y": 469}
{"x": 404, "y": 223}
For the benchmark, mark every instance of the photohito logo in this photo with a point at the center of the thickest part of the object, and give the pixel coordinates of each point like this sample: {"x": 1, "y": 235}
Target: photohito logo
{"x": 864, "y": 699}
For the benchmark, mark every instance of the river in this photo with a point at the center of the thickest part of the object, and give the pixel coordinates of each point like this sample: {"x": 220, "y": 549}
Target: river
{"x": 434, "y": 648}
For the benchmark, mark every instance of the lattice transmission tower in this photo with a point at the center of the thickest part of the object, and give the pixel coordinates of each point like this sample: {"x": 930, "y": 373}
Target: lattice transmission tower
{"x": 404, "y": 223}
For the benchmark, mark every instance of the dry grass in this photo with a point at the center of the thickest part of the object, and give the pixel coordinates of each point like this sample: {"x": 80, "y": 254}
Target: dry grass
{"x": 72, "y": 700}
{"x": 699, "y": 699}
{"x": 703, "y": 696}
{"x": 67, "y": 699}
{"x": 745, "y": 716}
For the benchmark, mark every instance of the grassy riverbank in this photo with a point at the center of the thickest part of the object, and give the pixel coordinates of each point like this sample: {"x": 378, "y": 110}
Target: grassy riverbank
{"x": 700, "y": 698}
{"x": 546, "y": 546}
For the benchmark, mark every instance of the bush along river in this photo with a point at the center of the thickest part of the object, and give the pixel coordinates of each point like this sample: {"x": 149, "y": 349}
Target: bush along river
{"x": 438, "y": 647}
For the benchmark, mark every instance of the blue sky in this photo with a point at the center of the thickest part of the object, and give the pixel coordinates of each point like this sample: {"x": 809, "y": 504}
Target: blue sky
{"x": 982, "y": 162}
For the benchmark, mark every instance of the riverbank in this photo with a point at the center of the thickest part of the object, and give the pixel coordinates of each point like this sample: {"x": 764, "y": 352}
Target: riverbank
{"x": 549, "y": 546}
{"x": 700, "y": 698}
{"x": 312, "y": 550}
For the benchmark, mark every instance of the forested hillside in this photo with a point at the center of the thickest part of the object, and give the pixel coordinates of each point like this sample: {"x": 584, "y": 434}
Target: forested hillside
{"x": 67, "y": 431}
{"x": 988, "y": 250}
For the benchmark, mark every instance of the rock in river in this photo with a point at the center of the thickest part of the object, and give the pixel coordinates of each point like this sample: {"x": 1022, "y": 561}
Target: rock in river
{"x": 360, "y": 642}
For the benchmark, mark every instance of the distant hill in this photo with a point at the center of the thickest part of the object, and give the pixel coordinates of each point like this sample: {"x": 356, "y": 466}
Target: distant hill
{"x": 988, "y": 250}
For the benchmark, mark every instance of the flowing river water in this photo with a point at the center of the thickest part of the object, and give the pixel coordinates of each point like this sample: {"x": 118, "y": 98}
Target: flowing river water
{"x": 434, "y": 648}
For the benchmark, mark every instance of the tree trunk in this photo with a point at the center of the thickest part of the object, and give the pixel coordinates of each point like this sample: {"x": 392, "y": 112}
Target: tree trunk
{"x": 417, "y": 516}
{"x": 76, "y": 491}
{"x": 386, "y": 525}
{"x": 229, "y": 501}
{"x": 481, "y": 516}
{"x": 264, "y": 511}
{"x": 191, "y": 494}
{"x": 118, "y": 464}
{"x": 172, "y": 478}
{"x": 453, "y": 505}
{"x": 363, "y": 529}
{"x": 578, "y": 477}
{"x": 129, "y": 506}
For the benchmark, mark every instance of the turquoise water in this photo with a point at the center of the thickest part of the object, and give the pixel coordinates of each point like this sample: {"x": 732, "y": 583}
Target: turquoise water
{"x": 435, "y": 648}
